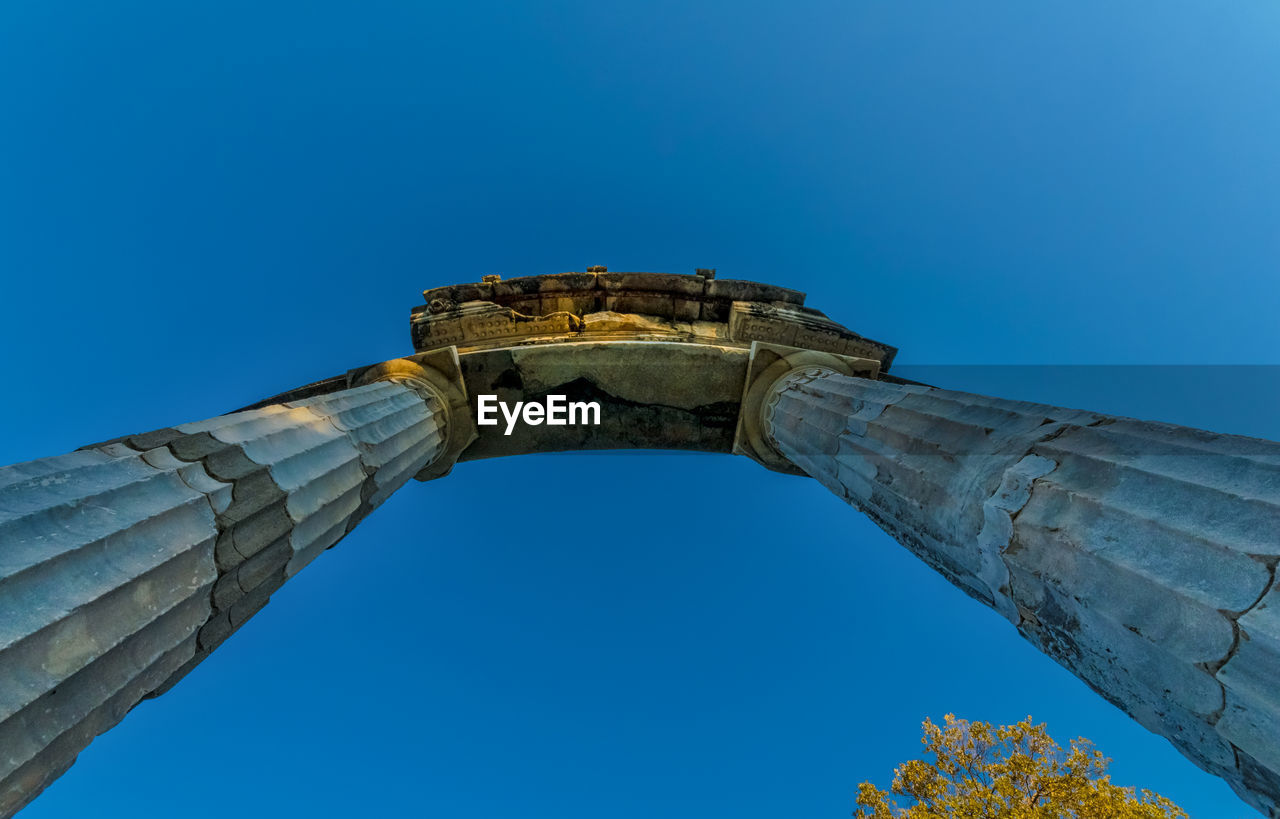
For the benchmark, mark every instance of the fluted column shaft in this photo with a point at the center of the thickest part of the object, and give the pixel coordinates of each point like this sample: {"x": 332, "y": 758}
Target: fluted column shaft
{"x": 1141, "y": 556}
{"x": 124, "y": 564}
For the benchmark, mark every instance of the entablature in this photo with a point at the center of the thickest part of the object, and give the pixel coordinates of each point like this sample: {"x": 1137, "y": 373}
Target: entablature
{"x": 595, "y": 306}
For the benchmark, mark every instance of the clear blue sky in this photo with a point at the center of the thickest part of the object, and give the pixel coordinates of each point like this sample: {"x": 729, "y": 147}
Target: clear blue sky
{"x": 205, "y": 203}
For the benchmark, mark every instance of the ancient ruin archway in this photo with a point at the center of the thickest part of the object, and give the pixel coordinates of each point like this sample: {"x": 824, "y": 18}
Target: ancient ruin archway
{"x": 1140, "y": 555}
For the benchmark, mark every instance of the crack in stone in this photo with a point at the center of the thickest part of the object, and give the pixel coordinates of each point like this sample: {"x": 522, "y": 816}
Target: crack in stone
{"x": 1014, "y": 514}
{"x": 1212, "y": 669}
{"x": 1234, "y": 618}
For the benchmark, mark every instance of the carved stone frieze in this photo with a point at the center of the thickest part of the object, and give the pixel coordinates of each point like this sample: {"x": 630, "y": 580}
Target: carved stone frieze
{"x": 581, "y": 306}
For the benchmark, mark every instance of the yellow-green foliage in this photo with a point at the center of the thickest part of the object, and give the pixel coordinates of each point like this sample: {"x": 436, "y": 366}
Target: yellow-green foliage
{"x": 980, "y": 771}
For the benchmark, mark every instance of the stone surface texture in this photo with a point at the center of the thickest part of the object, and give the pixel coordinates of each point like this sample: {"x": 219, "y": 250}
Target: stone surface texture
{"x": 665, "y": 355}
{"x": 124, "y": 564}
{"x": 1141, "y": 556}
{"x": 655, "y": 306}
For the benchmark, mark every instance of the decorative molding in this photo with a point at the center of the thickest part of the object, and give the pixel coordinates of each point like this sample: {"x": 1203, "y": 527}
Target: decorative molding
{"x": 772, "y": 367}
{"x": 578, "y": 306}
{"x": 437, "y": 377}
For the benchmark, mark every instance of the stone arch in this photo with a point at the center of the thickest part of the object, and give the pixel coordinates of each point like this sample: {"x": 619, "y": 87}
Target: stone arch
{"x": 1139, "y": 555}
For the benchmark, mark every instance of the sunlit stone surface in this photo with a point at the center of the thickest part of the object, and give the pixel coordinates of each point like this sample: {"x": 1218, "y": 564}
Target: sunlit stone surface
{"x": 123, "y": 565}
{"x": 1139, "y": 555}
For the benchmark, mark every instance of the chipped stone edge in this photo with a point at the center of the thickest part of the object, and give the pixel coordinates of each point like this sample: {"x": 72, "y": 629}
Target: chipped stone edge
{"x": 999, "y": 512}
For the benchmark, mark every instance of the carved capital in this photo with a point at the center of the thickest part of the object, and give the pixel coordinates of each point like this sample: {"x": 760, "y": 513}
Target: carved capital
{"x": 772, "y": 367}
{"x": 437, "y": 377}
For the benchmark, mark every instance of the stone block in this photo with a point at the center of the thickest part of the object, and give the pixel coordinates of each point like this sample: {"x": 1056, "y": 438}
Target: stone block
{"x": 669, "y": 284}
{"x": 737, "y": 290}
{"x": 260, "y": 529}
{"x": 198, "y": 447}
{"x": 215, "y": 630}
{"x": 629, "y": 301}
{"x": 264, "y": 565}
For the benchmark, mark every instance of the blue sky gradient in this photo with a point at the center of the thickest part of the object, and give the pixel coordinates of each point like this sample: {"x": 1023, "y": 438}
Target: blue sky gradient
{"x": 202, "y": 204}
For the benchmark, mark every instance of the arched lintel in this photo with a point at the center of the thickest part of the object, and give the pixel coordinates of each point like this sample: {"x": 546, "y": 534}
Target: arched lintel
{"x": 669, "y": 360}
{"x": 656, "y": 394}
{"x": 653, "y": 394}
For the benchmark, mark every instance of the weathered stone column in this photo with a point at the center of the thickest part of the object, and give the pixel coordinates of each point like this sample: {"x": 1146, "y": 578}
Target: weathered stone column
{"x": 1141, "y": 556}
{"x": 122, "y": 565}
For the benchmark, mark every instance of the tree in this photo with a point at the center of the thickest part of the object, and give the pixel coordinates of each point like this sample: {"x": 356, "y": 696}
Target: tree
{"x": 980, "y": 771}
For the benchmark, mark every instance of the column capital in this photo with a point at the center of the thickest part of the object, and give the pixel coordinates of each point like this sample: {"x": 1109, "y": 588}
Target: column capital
{"x": 770, "y": 368}
{"x": 437, "y": 377}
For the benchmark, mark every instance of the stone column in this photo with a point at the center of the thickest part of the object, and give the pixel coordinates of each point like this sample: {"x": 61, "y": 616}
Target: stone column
{"x": 122, "y": 565}
{"x": 1141, "y": 556}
